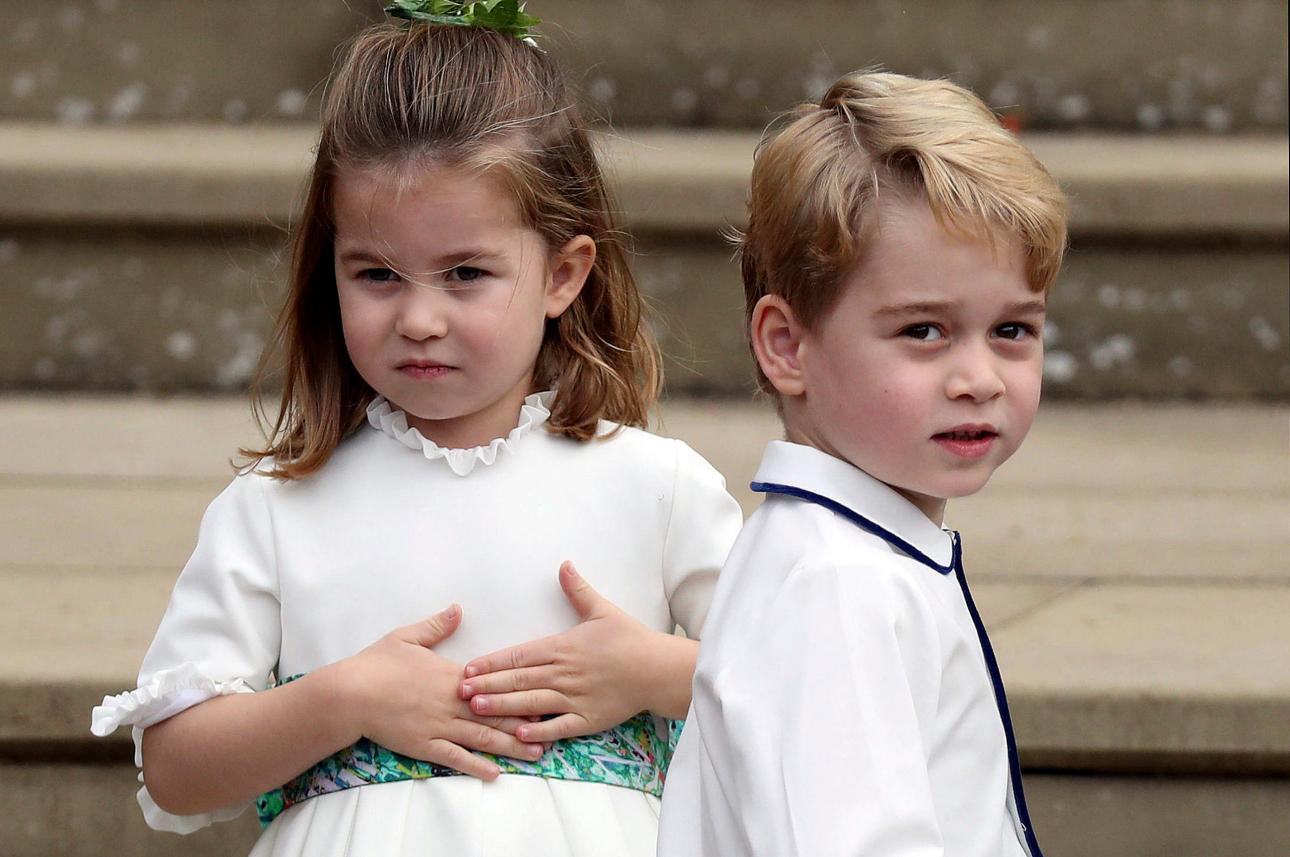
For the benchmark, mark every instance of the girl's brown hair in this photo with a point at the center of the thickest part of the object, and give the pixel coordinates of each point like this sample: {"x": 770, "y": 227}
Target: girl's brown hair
{"x": 474, "y": 99}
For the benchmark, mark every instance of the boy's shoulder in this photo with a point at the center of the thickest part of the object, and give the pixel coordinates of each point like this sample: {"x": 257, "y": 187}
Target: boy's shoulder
{"x": 799, "y": 553}
{"x": 813, "y": 537}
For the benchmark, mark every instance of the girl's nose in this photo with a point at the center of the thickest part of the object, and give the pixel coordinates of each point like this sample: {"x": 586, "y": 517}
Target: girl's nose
{"x": 422, "y": 314}
{"x": 975, "y": 376}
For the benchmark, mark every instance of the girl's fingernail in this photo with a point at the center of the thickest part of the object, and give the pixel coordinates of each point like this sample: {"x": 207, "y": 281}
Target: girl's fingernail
{"x": 522, "y": 733}
{"x": 480, "y": 703}
{"x": 466, "y": 691}
{"x": 451, "y": 612}
{"x": 471, "y": 670}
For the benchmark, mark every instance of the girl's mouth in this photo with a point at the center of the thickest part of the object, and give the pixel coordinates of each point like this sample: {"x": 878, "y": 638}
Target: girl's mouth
{"x": 424, "y": 371}
{"x": 966, "y": 443}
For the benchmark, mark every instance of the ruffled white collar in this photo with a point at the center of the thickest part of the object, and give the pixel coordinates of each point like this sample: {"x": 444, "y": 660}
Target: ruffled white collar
{"x": 393, "y": 422}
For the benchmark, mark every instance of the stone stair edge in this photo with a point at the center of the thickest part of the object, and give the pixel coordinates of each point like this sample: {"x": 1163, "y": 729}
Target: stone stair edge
{"x": 207, "y": 175}
{"x": 1215, "y": 736}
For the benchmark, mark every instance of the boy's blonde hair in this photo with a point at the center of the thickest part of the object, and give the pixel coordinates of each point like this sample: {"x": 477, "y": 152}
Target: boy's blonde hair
{"x": 423, "y": 96}
{"x": 818, "y": 177}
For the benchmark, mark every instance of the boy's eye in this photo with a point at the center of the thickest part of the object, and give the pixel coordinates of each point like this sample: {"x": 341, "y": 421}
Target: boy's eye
{"x": 1014, "y": 331}
{"x": 465, "y": 274}
{"x": 378, "y": 275}
{"x": 923, "y": 332}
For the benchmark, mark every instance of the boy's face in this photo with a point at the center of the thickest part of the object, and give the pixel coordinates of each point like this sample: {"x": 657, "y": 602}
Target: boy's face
{"x": 926, "y": 373}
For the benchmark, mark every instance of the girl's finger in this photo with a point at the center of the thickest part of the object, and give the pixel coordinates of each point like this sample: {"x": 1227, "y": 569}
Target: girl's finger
{"x": 485, "y": 739}
{"x": 510, "y": 681}
{"x": 535, "y": 653}
{"x": 509, "y": 725}
{"x": 443, "y": 752}
{"x": 520, "y": 704}
{"x": 546, "y": 731}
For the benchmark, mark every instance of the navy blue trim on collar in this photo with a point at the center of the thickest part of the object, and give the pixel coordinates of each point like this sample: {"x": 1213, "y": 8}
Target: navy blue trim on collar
{"x": 864, "y": 523}
{"x": 991, "y": 663}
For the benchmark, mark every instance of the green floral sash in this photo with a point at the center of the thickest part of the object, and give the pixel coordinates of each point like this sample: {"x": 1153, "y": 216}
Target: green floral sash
{"x": 634, "y": 754}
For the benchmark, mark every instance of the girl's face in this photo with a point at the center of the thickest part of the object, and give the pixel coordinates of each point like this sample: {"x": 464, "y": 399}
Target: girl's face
{"x": 444, "y": 295}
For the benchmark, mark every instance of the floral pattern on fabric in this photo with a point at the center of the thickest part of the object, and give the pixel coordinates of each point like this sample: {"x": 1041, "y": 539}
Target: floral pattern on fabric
{"x": 634, "y": 754}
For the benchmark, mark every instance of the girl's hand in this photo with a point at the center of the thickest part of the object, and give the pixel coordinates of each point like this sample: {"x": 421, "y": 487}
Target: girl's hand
{"x": 404, "y": 698}
{"x": 594, "y": 676}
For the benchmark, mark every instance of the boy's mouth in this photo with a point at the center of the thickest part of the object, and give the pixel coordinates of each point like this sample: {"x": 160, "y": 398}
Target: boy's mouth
{"x": 967, "y": 441}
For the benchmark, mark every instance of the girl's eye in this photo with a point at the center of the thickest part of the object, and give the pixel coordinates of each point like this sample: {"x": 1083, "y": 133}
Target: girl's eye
{"x": 465, "y": 274}
{"x": 1014, "y": 331}
{"x": 378, "y": 275}
{"x": 923, "y": 332}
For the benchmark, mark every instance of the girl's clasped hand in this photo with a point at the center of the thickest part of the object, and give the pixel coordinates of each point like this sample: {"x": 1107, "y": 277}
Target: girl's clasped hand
{"x": 585, "y": 680}
{"x": 517, "y": 701}
{"x": 404, "y": 696}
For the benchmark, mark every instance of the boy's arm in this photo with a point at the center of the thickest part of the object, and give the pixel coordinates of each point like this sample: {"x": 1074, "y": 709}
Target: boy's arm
{"x": 812, "y": 735}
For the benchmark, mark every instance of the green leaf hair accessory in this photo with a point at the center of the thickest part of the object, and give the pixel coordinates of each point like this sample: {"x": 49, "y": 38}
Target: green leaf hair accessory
{"x": 505, "y": 16}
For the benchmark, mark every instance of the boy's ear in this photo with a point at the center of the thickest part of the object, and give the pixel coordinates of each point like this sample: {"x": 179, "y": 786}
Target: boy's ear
{"x": 776, "y": 341}
{"x": 570, "y": 267}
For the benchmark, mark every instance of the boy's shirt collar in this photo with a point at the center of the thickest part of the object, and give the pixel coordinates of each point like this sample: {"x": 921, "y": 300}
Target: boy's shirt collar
{"x": 806, "y": 468}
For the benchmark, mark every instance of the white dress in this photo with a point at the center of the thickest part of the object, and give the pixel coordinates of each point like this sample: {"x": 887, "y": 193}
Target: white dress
{"x": 844, "y": 705}
{"x": 289, "y": 577}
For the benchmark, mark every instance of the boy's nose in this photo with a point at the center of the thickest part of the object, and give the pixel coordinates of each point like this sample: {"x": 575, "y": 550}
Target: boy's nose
{"x": 975, "y": 376}
{"x": 421, "y": 314}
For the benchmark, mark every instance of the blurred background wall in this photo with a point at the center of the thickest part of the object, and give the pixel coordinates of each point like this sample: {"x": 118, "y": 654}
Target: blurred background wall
{"x": 151, "y": 154}
{"x": 1132, "y": 562}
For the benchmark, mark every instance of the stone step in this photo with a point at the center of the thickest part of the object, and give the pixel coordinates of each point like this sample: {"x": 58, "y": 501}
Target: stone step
{"x": 1130, "y": 562}
{"x": 1153, "y": 65}
{"x": 76, "y": 809}
{"x": 150, "y": 258}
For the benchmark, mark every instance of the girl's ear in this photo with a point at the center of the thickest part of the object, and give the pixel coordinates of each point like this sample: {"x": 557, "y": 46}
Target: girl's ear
{"x": 570, "y": 267}
{"x": 777, "y": 342}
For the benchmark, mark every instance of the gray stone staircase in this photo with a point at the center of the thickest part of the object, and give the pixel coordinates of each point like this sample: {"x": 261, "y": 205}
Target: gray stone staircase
{"x": 150, "y": 161}
{"x": 151, "y": 157}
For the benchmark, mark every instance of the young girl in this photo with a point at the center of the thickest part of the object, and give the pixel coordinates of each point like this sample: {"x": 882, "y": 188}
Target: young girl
{"x": 465, "y": 368}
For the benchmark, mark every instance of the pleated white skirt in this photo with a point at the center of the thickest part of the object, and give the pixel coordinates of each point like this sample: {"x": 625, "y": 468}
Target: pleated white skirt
{"x": 514, "y": 816}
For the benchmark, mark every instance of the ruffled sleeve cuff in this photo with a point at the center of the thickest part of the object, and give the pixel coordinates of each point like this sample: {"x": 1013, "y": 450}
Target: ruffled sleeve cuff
{"x": 164, "y": 695}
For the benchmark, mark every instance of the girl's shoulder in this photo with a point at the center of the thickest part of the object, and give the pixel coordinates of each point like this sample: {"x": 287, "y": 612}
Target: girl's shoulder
{"x": 645, "y": 447}
{"x": 650, "y": 457}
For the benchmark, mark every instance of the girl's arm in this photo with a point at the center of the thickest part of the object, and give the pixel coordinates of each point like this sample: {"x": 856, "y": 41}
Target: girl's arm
{"x": 396, "y": 692}
{"x": 602, "y": 672}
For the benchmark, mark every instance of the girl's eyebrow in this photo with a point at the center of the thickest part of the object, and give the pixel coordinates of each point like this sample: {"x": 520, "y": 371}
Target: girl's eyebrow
{"x": 360, "y": 256}
{"x": 445, "y": 262}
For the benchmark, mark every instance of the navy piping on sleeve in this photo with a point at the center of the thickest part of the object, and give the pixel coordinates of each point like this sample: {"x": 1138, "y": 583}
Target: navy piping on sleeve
{"x": 992, "y": 665}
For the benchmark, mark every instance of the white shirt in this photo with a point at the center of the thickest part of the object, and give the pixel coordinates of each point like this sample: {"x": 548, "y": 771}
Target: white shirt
{"x": 843, "y": 704}
{"x": 290, "y": 576}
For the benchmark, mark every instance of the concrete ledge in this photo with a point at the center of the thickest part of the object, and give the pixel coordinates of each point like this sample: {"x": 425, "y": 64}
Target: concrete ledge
{"x": 1143, "y": 650}
{"x": 672, "y": 181}
{"x": 1120, "y": 656}
{"x": 1152, "y": 65}
{"x": 72, "y": 810}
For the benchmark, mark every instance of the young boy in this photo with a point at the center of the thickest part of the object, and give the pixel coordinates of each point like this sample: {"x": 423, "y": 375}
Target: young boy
{"x": 899, "y": 249}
